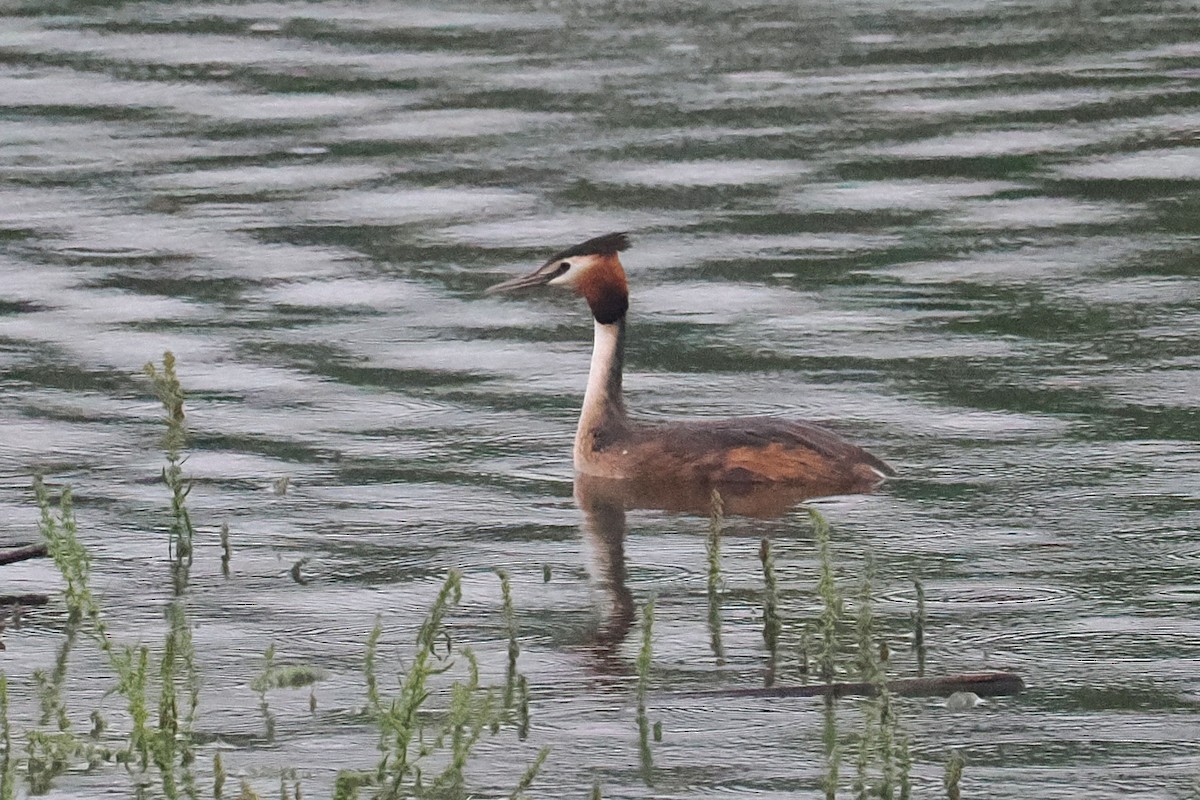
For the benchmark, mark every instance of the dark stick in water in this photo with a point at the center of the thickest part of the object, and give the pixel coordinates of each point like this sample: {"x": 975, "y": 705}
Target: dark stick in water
{"x": 984, "y": 684}
{"x": 22, "y": 553}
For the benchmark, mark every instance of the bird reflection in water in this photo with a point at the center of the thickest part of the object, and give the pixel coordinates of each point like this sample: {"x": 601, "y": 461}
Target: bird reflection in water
{"x": 604, "y": 503}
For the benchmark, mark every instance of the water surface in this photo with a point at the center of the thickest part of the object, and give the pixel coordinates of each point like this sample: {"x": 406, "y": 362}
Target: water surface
{"x": 964, "y": 234}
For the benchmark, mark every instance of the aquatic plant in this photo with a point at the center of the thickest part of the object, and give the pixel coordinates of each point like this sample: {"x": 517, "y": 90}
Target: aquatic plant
{"x": 226, "y": 549}
{"x": 802, "y": 653}
{"x": 7, "y": 762}
{"x": 530, "y": 774}
{"x": 832, "y": 604}
{"x": 61, "y": 535}
{"x": 396, "y": 718}
{"x": 828, "y": 620}
{"x": 260, "y": 685}
{"x": 919, "y": 621}
{"x": 405, "y": 743}
{"x": 429, "y": 728}
{"x": 878, "y": 740}
{"x": 833, "y": 753}
{"x": 514, "y": 648}
{"x": 163, "y": 741}
{"x": 49, "y": 753}
{"x": 516, "y": 687}
{"x": 219, "y": 776}
{"x": 644, "y": 659}
{"x": 772, "y": 623}
{"x": 415, "y": 732}
{"x": 882, "y": 758}
{"x": 162, "y": 688}
{"x": 170, "y": 740}
{"x": 522, "y": 707}
{"x": 171, "y": 395}
{"x": 953, "y": 775}
{"x": 712, "y": 547}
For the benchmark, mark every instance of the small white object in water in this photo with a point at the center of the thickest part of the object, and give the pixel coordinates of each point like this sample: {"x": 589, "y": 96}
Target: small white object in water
{"x": 963, "y": 701}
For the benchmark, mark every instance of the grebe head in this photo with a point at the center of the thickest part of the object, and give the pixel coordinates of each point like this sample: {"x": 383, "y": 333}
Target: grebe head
{"x": 592, "y": 269}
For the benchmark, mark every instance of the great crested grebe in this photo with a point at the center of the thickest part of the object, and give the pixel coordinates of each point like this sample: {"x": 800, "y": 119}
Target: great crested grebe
{"x": 740, "y": 451}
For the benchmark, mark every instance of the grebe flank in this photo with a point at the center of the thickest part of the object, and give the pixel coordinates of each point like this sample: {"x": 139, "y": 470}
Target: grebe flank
{"x": 743, "y": 450}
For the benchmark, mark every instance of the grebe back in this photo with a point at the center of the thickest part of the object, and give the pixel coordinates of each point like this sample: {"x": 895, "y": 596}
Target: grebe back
{"x": 743, "y": 450}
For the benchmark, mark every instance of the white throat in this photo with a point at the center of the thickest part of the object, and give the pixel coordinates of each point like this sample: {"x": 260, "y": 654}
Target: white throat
{"x": 603, "y": 407}
{"x": 606, "y": 358}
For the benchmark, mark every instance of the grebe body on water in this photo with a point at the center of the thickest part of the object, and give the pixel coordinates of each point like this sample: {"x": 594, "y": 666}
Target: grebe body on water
{"x": 744, "y": 451}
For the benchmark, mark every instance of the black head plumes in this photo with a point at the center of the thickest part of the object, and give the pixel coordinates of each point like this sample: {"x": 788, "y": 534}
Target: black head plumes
{"x": 605, "y": 245}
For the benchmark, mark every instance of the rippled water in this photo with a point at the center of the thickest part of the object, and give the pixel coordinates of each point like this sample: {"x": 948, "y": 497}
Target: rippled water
{"x": 965, "y": 234}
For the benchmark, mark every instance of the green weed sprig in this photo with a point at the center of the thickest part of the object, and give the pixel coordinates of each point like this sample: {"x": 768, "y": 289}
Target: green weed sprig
{"x": 772, "y": 624}
{"x": 226, "y": 549}
{"x": 833, "y": 752}
{"x": 60, "y": 533}
{"x": 170, "y": 393}
{"x": 919, "y": 628}
{"x": 716, "y": 522}
{"x": 828, "y": 621}
{"x": 399, "y": 726}
{"x": 514, "y": 647}
{"x": 644, "y": 660}
{"x": 953, "y": 776}
{"x": 261, "y": 684}
{"x": 832, "y": 604}
{"x": 878, "y": 741}
{"x": 530, "y": 774}
{"x": 8, "y": 764}
{"x": 370, "y": 672}
{"x": 470, "y": 711}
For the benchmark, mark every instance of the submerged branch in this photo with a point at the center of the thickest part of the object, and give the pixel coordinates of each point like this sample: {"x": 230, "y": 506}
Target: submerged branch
{"x": 23, "y": 553}
{"x": 984, "y": 684}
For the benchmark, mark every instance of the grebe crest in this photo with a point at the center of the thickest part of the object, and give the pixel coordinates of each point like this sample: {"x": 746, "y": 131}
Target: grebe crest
{"x": 741, "y": 451}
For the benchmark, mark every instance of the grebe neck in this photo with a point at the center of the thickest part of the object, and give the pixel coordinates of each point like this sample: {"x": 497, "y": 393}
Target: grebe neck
{"x": 603, "y": 416}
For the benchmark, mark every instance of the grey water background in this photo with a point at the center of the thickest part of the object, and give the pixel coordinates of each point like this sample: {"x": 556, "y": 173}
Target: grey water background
{"x": 964, "y": 234}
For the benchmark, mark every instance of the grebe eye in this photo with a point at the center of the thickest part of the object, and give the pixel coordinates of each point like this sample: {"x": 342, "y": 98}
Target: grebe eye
{"x": 563, "y": 267}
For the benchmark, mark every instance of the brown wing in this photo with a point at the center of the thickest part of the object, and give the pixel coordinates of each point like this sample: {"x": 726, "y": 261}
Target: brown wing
{"x": 759, "y": 450}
